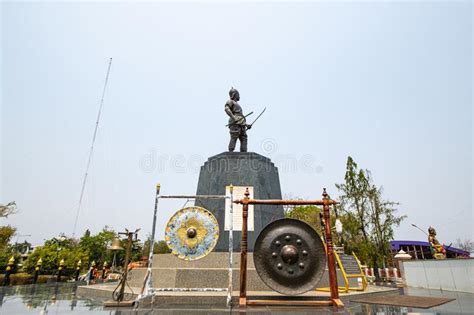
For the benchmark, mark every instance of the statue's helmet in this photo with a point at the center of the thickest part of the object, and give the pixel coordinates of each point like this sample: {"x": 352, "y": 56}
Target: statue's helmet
{"x": 431, "y": 230}
{"x": 233, "y": 92}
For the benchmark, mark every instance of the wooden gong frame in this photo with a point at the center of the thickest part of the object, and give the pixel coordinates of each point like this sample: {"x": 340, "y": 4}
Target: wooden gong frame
{"x": 325, "y": 202}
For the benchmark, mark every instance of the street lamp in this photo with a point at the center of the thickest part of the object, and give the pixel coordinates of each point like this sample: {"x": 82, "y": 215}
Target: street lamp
{"x": 414, "y": 225}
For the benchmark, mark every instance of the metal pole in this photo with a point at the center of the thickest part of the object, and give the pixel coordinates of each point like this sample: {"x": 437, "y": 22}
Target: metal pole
{"x": 414, "y": 225}
{"x": 83, "y": 187}
{"x": 243, "y": 251}
{"x": 148, "y": 281}
{"x": 231, "y": 245}
{"x": 125, "y": 273}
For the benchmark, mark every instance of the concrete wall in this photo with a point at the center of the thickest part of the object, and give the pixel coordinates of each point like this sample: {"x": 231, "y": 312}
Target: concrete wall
{"x": 208, "y": 272}
{"x": 448, "y": 274}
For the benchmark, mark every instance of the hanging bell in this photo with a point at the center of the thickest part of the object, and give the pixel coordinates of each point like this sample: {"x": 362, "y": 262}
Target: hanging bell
{"x": 116, "y": 244}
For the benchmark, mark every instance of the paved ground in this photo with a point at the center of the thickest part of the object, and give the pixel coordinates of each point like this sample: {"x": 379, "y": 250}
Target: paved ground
{"x": 64, "y": 299}
{"x": 104, "y": 290}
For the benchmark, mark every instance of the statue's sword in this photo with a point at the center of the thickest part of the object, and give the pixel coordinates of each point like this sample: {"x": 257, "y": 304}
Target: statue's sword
{"x": 244, "y": 116}
{"x": 263, "y": 111}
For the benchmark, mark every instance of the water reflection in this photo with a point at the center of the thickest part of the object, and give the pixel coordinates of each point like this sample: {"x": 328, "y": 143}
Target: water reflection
{"x": 74, "y": 298}
{"x": 39, "y": 298}
{"x": 1, "y": 297}
{"x": 62, "y": 298}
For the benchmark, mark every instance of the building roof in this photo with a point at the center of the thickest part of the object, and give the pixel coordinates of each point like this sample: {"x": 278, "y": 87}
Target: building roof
{"x": 395, "y": 245}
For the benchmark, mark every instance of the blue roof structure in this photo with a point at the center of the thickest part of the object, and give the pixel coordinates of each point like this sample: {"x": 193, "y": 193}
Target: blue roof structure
{"x": 395, "y": 245}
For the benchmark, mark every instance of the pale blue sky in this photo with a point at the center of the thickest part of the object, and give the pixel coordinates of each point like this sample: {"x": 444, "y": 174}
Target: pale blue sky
{"x": 389, "y": 83}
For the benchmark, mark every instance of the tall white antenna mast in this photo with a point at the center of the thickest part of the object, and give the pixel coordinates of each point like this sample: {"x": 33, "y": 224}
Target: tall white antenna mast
{"x": 91, "y": 149}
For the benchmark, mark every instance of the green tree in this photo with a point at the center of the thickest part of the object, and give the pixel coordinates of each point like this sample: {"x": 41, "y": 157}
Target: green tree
{"x": 137, "y": 251}
{"x": 308, "y": 214}
{"x": 96, "y": 246}
{"x": 6, "y": 250}
{"x": 312, "y": 215}
{"x": 383, "y": 220}
{"x": 52, "y": 252}
{"x": 368, "y": 219}
{"x": 160, "y": 247}
{"x": 87, "y": 249}
{"x": 354, "y": 197}
{"x": 6, "y": 234}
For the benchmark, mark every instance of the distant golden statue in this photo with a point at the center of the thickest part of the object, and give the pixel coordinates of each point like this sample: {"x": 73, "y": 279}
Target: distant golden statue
{"x": 436, "y": 248}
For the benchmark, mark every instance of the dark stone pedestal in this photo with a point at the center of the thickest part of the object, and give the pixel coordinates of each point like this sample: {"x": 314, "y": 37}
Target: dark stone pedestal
{"x": 240, "y": 169}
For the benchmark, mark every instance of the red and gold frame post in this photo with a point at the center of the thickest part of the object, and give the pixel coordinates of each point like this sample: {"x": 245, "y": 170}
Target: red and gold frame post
{"x": 243, "y": 251}
{"x": 330, "y": 253}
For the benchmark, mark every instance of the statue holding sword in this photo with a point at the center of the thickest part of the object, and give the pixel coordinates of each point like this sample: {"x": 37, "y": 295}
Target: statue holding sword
{"x": 237, "y": 121}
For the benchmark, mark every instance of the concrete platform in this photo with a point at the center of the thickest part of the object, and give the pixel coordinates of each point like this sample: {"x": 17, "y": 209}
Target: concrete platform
{"x": 209, "y": 272}
{"x": 171, "y": 299}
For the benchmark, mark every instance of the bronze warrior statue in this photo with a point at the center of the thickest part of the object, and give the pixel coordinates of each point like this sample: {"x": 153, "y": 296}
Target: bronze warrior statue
{"x": 237, "y": 124}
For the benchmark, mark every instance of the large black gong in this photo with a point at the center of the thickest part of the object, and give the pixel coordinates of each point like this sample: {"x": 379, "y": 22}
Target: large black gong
{"x": 289, "y": 256}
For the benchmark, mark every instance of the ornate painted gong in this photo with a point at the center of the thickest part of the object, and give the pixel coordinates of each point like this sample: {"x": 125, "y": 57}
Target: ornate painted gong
{"x": 192, "y": 233}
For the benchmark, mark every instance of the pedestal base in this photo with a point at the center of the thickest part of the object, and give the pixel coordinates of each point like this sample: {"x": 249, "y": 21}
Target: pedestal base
{"x": 240, "y": 169}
